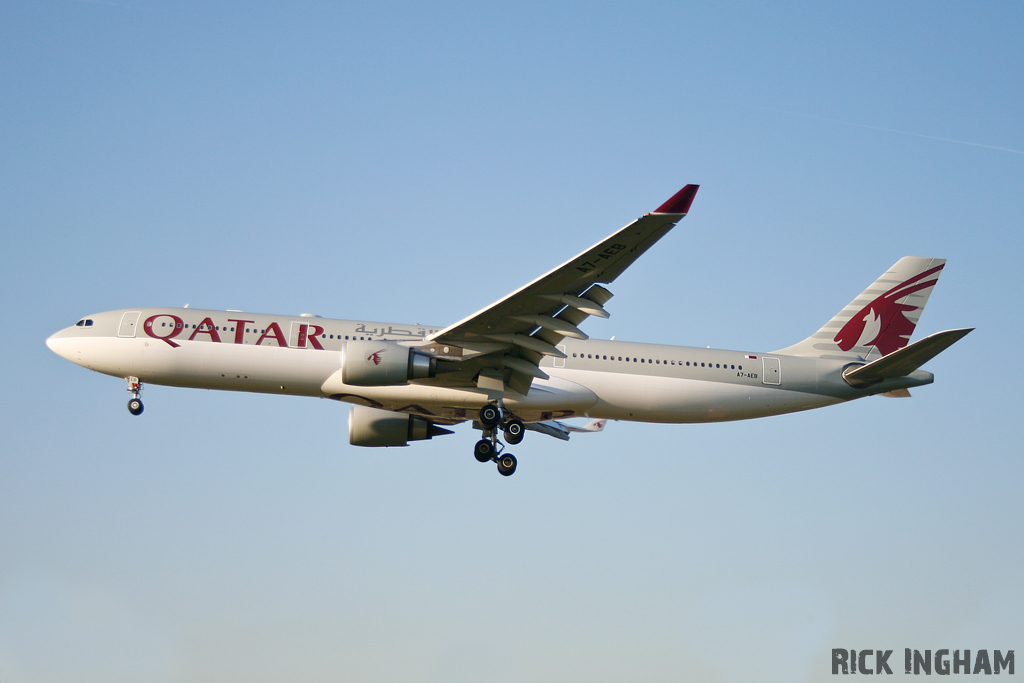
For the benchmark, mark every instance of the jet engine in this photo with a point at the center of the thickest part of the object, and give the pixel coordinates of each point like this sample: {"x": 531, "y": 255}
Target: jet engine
{"x": 374, "y": 427}
{"x": 384, "y": 363}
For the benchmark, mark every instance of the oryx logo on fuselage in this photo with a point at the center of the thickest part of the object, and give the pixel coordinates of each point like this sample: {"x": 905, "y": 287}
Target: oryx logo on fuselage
{"x": 883, "y": 322}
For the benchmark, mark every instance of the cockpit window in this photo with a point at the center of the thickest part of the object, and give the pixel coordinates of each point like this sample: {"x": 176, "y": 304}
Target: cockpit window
{"x": 80, "y": 323}
{"x": 85, "y": 322}
{"x": 88, "y": 323}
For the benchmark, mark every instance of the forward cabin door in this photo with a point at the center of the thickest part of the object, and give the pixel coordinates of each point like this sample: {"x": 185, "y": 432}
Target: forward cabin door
{"x": 128, "y": 323}
{"x": 772, "y": 370}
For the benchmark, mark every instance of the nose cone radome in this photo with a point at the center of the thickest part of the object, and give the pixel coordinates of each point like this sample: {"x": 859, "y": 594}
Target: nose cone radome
{"x": 62, "y": 345}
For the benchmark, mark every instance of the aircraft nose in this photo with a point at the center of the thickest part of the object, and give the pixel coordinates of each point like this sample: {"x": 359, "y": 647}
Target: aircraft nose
{"x": 62, "y": 345}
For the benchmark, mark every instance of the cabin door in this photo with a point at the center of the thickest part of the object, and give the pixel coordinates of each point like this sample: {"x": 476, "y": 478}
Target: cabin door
{"x": 128, "y": 322}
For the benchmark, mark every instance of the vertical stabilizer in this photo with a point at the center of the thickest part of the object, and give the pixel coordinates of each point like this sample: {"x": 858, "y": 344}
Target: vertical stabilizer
{"x": 880, "y": 320}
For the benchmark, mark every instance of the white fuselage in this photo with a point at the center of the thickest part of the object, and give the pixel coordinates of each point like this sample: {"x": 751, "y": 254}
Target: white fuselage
{"x": 303, "y": 355}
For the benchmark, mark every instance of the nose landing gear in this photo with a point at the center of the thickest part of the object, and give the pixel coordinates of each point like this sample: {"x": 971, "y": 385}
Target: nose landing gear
{"x": 487, "y": 449}
{"x": 135, "y": 406}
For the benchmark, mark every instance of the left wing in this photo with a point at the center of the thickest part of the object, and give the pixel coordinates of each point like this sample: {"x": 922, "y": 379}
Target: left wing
{"x": 512, "y": 335}
{"x": 562, "y": 430}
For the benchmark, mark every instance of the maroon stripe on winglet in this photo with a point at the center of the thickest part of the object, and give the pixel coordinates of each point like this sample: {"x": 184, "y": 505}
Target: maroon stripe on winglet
{"x": 680, "y": 201}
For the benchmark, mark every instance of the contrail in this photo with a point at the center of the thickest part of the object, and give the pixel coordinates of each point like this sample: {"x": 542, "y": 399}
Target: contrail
{"x": 870, "y": 127}
{"x": 902, "y": 132}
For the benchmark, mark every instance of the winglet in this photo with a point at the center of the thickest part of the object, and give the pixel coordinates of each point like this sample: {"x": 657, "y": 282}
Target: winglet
{"x": 680, "y": 201}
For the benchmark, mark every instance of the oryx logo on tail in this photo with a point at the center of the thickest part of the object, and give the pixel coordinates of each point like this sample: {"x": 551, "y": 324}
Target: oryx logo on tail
{"x": 883, "y": 323}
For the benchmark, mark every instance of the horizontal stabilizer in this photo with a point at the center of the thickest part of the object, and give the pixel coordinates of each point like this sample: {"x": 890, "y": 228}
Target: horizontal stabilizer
{"x": 904, "y": 361}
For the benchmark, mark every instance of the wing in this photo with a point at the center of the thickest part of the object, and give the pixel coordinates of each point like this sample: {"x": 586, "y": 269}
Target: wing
{"x": 508, "y": 339}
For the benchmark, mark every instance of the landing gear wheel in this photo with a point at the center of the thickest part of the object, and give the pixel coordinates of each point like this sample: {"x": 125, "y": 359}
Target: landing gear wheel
{"x": 506, "y": 465}
{"x": 135, "y": 406}
{"x": 484, "y": 450}
{"x": 490, "y": 416}
{"x": 514, "y": 432}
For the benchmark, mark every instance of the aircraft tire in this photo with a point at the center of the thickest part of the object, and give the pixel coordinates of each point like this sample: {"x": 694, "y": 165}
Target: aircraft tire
{"x": 507, "y": 465}
{"x": 515, "y": 431}
{"x": 490, "y": 416}
{"x": 135, "y": 407}
{"x": 484, "y": 450}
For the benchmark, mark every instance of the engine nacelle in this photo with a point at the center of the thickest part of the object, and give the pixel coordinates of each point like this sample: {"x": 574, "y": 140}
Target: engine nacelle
{"x": 384, "y": 363}
{"x": 374, "y": 427}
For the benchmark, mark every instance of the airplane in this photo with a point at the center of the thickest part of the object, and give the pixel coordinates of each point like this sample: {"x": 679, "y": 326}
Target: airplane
{"x": 523, "y": 363}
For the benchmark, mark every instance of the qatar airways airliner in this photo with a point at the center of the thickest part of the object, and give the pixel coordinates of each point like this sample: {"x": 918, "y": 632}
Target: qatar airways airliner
{"x": 523, "y": 363}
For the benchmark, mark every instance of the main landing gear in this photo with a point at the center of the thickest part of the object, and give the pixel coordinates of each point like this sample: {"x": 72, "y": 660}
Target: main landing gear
{"x": 489, "y": 448}
{"x": 135, "y": 406}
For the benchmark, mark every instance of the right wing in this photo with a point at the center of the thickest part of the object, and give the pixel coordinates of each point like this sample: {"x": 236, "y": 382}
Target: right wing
{"x": 511, "y": 336}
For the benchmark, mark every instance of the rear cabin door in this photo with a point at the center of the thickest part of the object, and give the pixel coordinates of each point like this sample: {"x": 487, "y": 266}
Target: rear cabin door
{"x": 772, "y": 370}
{"x": 128, "y": 322}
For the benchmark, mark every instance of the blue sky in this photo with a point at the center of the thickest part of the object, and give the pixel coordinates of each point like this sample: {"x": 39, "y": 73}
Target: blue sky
{"x": 414, "y": 163}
